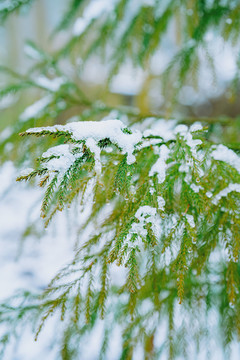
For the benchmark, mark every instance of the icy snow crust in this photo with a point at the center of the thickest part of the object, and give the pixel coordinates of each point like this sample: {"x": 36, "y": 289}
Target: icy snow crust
{"x": 94, "y": 131}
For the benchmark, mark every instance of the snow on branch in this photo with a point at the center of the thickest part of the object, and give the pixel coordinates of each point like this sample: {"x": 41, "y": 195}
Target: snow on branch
{"x": 114, "y": 130}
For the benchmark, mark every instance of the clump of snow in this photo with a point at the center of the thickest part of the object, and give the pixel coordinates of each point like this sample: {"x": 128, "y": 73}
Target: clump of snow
{"x": 184, "y": 167}
{"x": 64, "y": 158}
{"x": 161, "y": 203}
{"x": 148, "y": 3}
{"x": 79, "y": 26}
{"x": 183, "y": 131}
{"x": 190, "y": 220}
{"x": 144, "y": 211}
{"x": 227, "y": 155}
{"x": 50, "y": 84}
{"x": 7, "y": 4}
{"x": 36, "y": 109}
{"x": 7, "y": 100}
{"x": 92, "y": 11}
{"x": 145, "y": 214}
{"x": 161, "y": 127}
{"x": 160, "y": 165}
{"x": 31, "y": 52}
{"x": 58, "y": 150}
{"x": 195, "y": 187}
{"x": 97, "y": 8}
{"x": 225, "y": 192}
{"x": 95, "y": 149}
{"x": 128, "y": 81}
{"x": 197, "y": 126}
{"x": 5, "y": 134}
{"x": 111, "y": 129}
{"x": 152, "y": 190}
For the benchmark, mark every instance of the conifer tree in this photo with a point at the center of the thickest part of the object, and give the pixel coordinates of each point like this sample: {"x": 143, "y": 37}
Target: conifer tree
{"x": 160, "y": 196}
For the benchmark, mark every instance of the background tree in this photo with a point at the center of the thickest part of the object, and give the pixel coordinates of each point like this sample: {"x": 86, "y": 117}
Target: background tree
{"x": 157, "y": 199}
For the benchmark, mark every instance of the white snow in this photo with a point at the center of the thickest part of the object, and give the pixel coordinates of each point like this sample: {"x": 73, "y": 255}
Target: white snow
{"x": 161, "y": 127}
{"x": 195, "y": 187}
{"x": 160, "y": 165}
{"x": 187, "y": 136}
{"x": 128, "y": 81}
{"x": 39, "y": 260}
{"x": 32, "y": 53}
{"x": 161, "y": 203}
{"x": 184, "y": 167}
{"x": 26, "y": 171}
{"x": 152, "y": 190}
{"x": 190, "y": 220}
{"x": 58, "y": 150}
{"x": 5, "y": 5}
{"x": 7, "y": 100}
{"x": 225, "y": 192}
{"x": 64, "y": 158}
{"x": 227, "y": 155}
{"x": 196, "y": 126}
{"x": 145, "y": 214}
{"x": 35, "y": 109}
{"x": 97, "y": 130}
{"x": 144, "y": 211}
{"x": 79, "y": 26}
{"x": 97, "y": 8}
{"x": 95, "y": 149}
{"x": 148, "y": 3}
{"x": 94, "y": 9}
{"x": 6, "y": 133}
{"x": 50, "y": 84}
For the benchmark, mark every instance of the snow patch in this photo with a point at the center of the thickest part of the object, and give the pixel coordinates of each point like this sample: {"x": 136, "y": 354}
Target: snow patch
{"x": 50, "y": 84}
{"x": 145, "y": 214}
{"x": 98, "y": 130}
{"x": 31, "y": 52}
{"x": 79, "y": 26}
{"x": 160, "y": 165}
{"x": 36, "y": 109}
{"x": 161, "y": 203}
{"x": 183, "y": 131}
{"x": 5, "y": 134}
{"x": 190, "y": 220}
{"x": 161, "y": 127}
{"x": 195, "y": 187}
{"x": 227, "y": 155}
{"x": 92, "y": 11}
{"x": 64, "y": 158}
{"x": 225, "y": 192}
{"x": 7, "y": 100}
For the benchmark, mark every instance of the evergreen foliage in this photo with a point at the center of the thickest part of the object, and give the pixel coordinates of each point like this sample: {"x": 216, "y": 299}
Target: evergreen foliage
{"x": 163, "y": 204}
